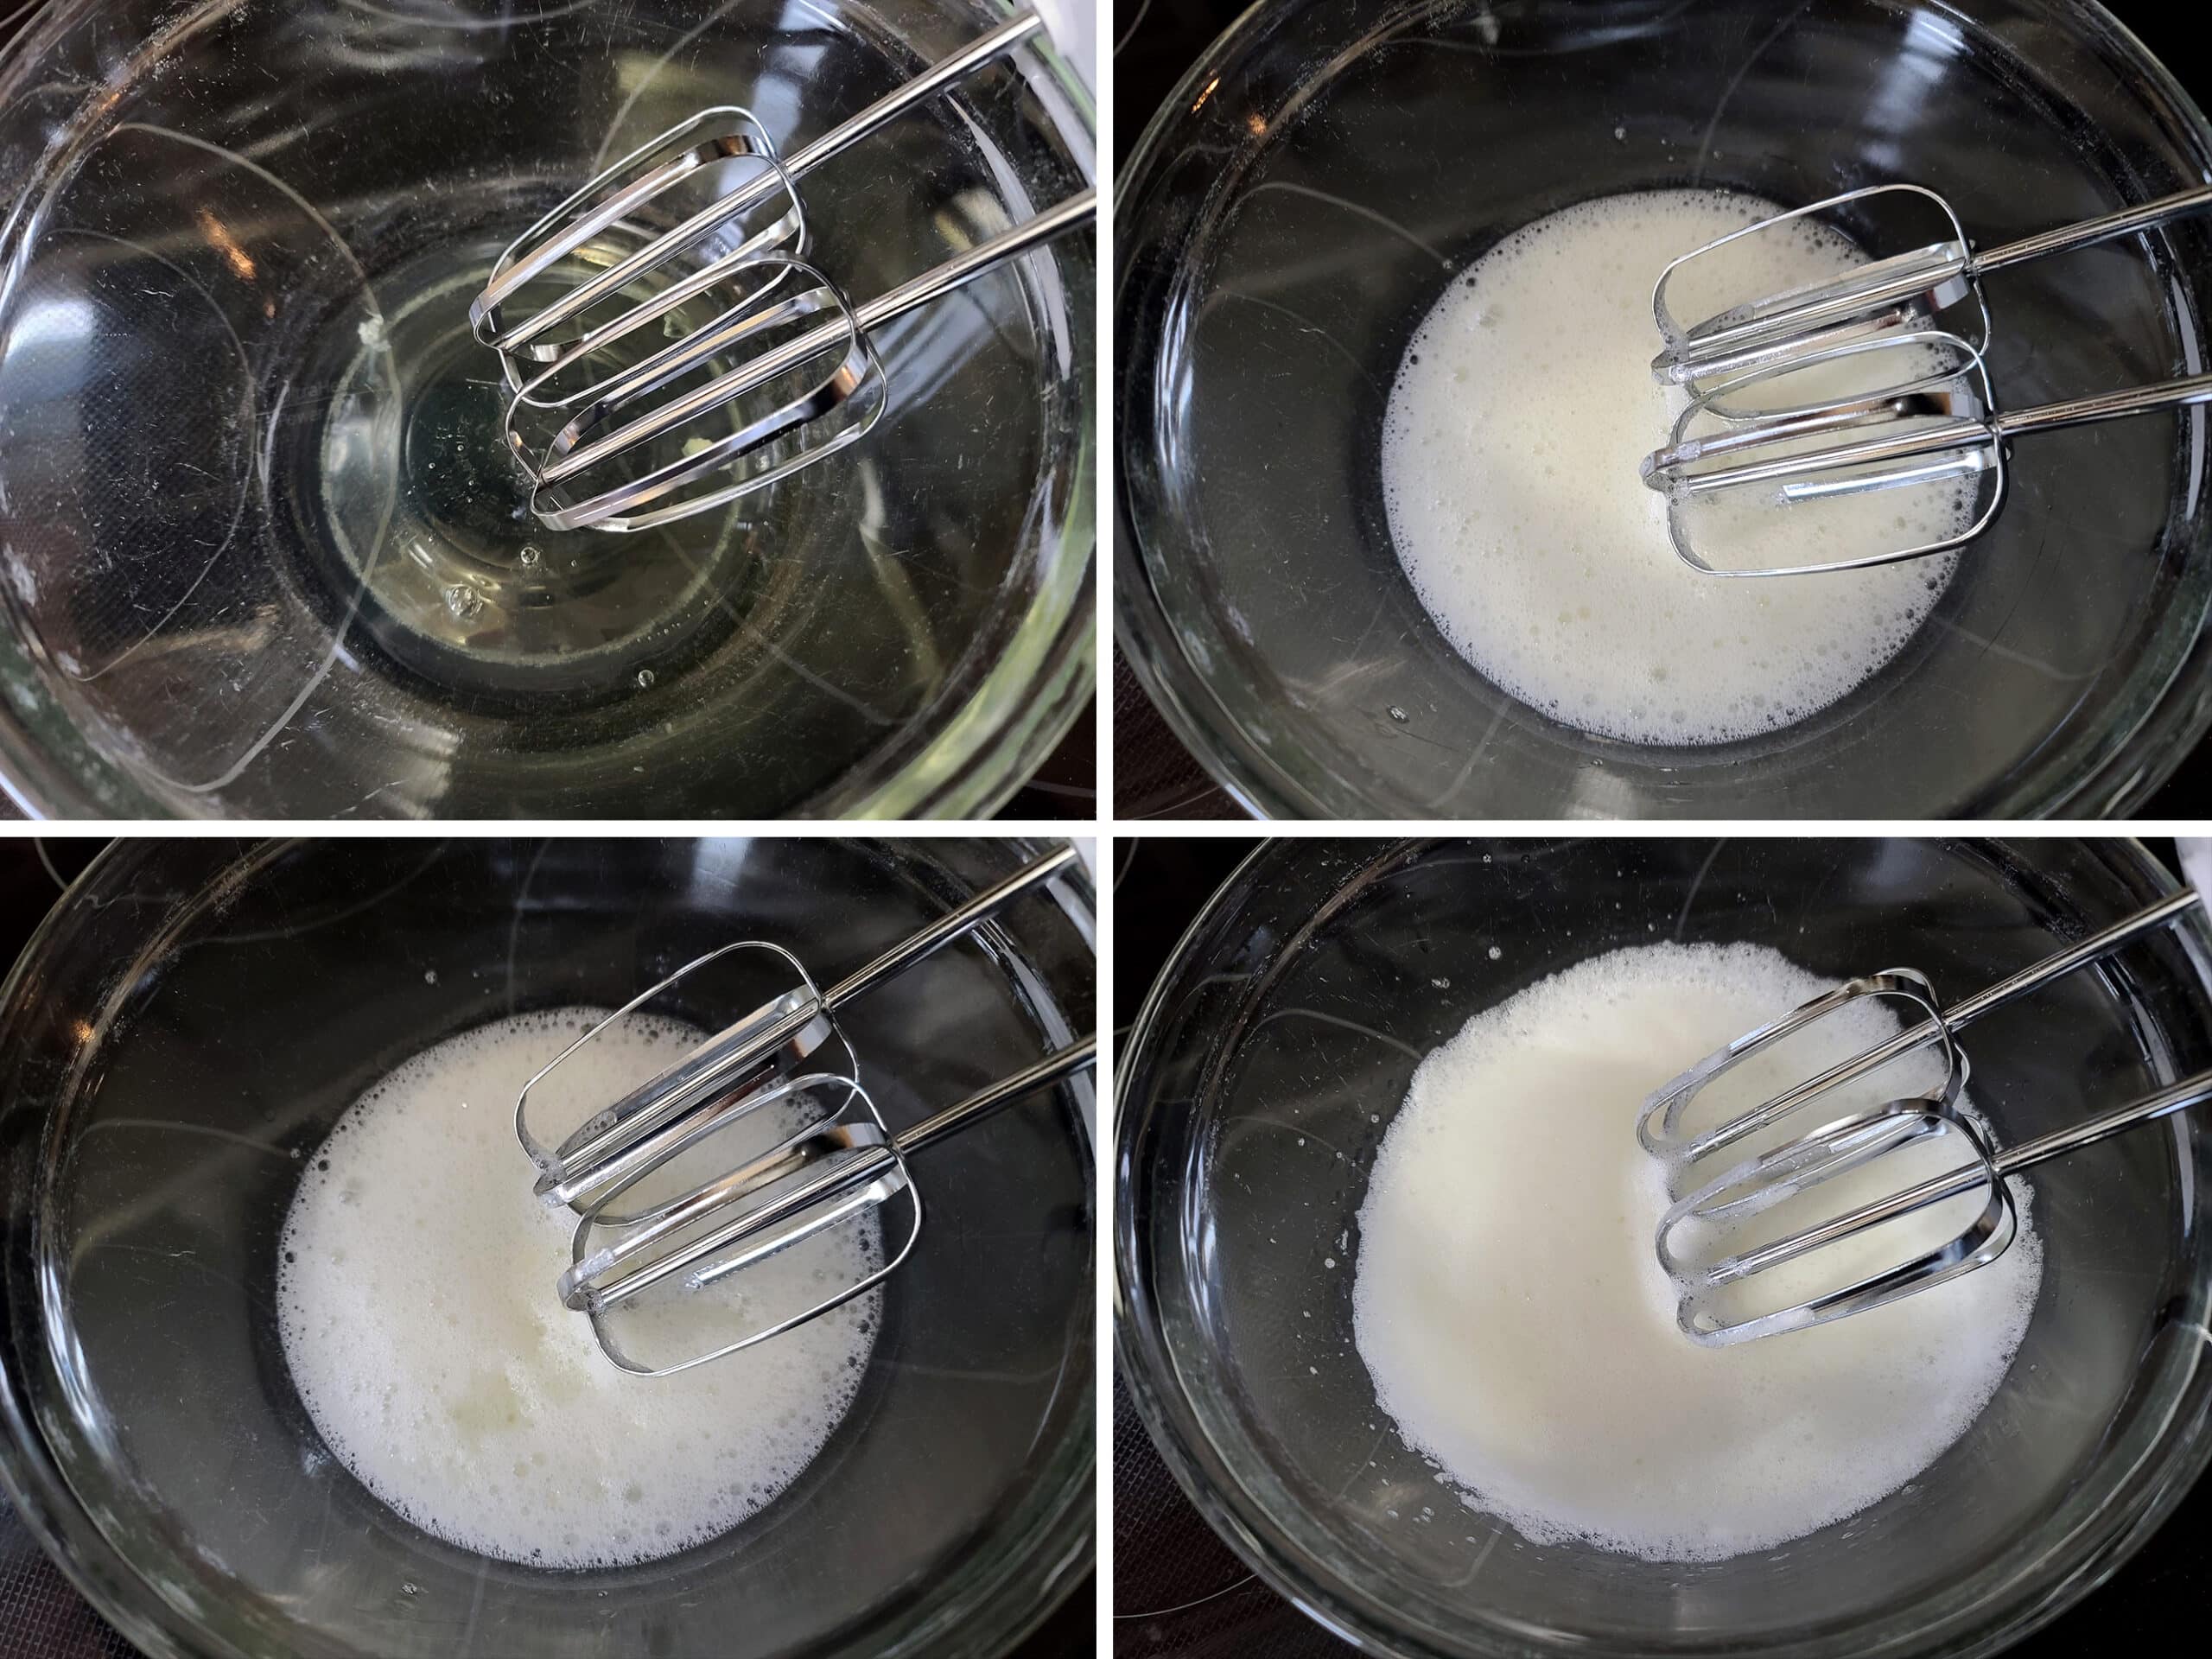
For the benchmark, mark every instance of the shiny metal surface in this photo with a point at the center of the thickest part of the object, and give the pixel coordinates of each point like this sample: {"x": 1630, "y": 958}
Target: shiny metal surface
{"x": 263, "y": 460}
{"x": 1887, "y": 321}
{"x": 829, "y": 1173}
{"x": 795, "y": 430}
{"x": 1290, "y": 1018}
{"x": 734, "y": 394}
{"x": 1700, "y": 1241}
{"x": 1894, "y": 288}
{"x": 1772, "y": 458}
{"x": 961, "y": 1485}
{"x": 663, "y": 1194}
{"x": 548, "y": 245}
{"x": 1325, "y": 169}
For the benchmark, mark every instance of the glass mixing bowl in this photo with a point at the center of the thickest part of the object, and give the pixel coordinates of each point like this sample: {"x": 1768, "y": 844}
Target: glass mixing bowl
{"x": 1303, "y": 198}
{"x": 194, "y": 1016}
{"x": 1276, "y": 1049}
{"x": 262, "y": 554}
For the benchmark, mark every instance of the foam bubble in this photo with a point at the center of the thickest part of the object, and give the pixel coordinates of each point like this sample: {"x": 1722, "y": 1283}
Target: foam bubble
{"x": 1510, "y": 455}
{"x": 1509, "y": 1306}
{"x": 417, "y": 1312}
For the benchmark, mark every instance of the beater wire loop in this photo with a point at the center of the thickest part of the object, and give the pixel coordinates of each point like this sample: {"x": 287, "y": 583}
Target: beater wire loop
{"x": 1800, "y": 1229}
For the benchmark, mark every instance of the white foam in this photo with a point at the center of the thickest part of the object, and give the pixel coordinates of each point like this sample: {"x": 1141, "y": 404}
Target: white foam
{"x": 1509, "y": 462}
{"x": 417, "y": 1312}
{"x": 1509, "y": 1306}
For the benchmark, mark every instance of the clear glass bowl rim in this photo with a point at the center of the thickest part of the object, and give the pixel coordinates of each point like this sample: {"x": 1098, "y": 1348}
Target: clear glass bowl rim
{"x": 2063, "y": 1575}
{"x": 1006, "y": 727}
{"x": 1004, "y": 1596}
{"x": 2161, "y": 732}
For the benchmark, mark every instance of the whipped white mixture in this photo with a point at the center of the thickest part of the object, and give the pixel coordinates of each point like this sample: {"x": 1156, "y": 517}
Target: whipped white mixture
{"x": 418, "y": 1316}
{"x": 1509, "y": 462}
{"x": 1510, "y": 1308}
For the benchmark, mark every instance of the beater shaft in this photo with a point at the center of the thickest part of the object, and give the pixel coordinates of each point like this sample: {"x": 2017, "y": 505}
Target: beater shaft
{"x": 1702, "y": 1242}
{"x": 1769, "y": 328}
{"x": 1053, "y": 1069}
{"x": 510, "y": 277}
{"x": 2089, "y": 232}
{"x": 2165, "y": 1102}
{"x": 1938, "y": 439}
{"x": 627, "y": 1139}
{"x": 569, "y": 454}
{"x": 950, "y": 926}
{"x": 586, "y": 1287}
{"x": 1666, "y": 469}
{"x": 1665, "y": 1108}
{"x": 673, "y": 1195}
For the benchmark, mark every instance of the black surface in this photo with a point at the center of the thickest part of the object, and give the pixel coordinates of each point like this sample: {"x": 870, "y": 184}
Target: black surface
{"x": 2177, "y": 37}
{"x": 1179, "y": 1594}
{"x": 1155, "y": 43}
{"x": 42, "y": 1615}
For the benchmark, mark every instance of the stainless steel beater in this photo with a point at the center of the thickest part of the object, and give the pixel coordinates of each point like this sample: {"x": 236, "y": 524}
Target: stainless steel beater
{"x": 782, "y": 374}
{"x": 760, "y": 1139}
{"x": 1701, "y": 1238}
{"x": 1751, "y": 462}
{"x": 1712, "y": 334}
{"x": 1906, "y": 332}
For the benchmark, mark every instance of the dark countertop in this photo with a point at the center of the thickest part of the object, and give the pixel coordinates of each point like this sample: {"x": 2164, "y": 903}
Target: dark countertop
{"x": 1179, "y": 1592}
{"x": 42, "y": 1615}
{"x": 40, "y": 1612}
{"x": 1154, "y": 777}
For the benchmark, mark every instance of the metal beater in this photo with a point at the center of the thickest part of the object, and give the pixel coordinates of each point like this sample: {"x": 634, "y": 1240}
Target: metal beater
{"x": 1871, "y": 379}
{"x": 1756, "y": 445}
{"x": 1705, "y": 1240}
{"x": 760, "y": 1139}
{"x": 780, "y": 371}
{"x": 1712, "y": 336}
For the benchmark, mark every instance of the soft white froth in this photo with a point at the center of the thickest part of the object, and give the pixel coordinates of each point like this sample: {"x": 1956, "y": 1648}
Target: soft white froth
{"x": 1509, "y": 1303}
{"x": 418, "y": 1316}
{"x": 1510, "y": 463}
